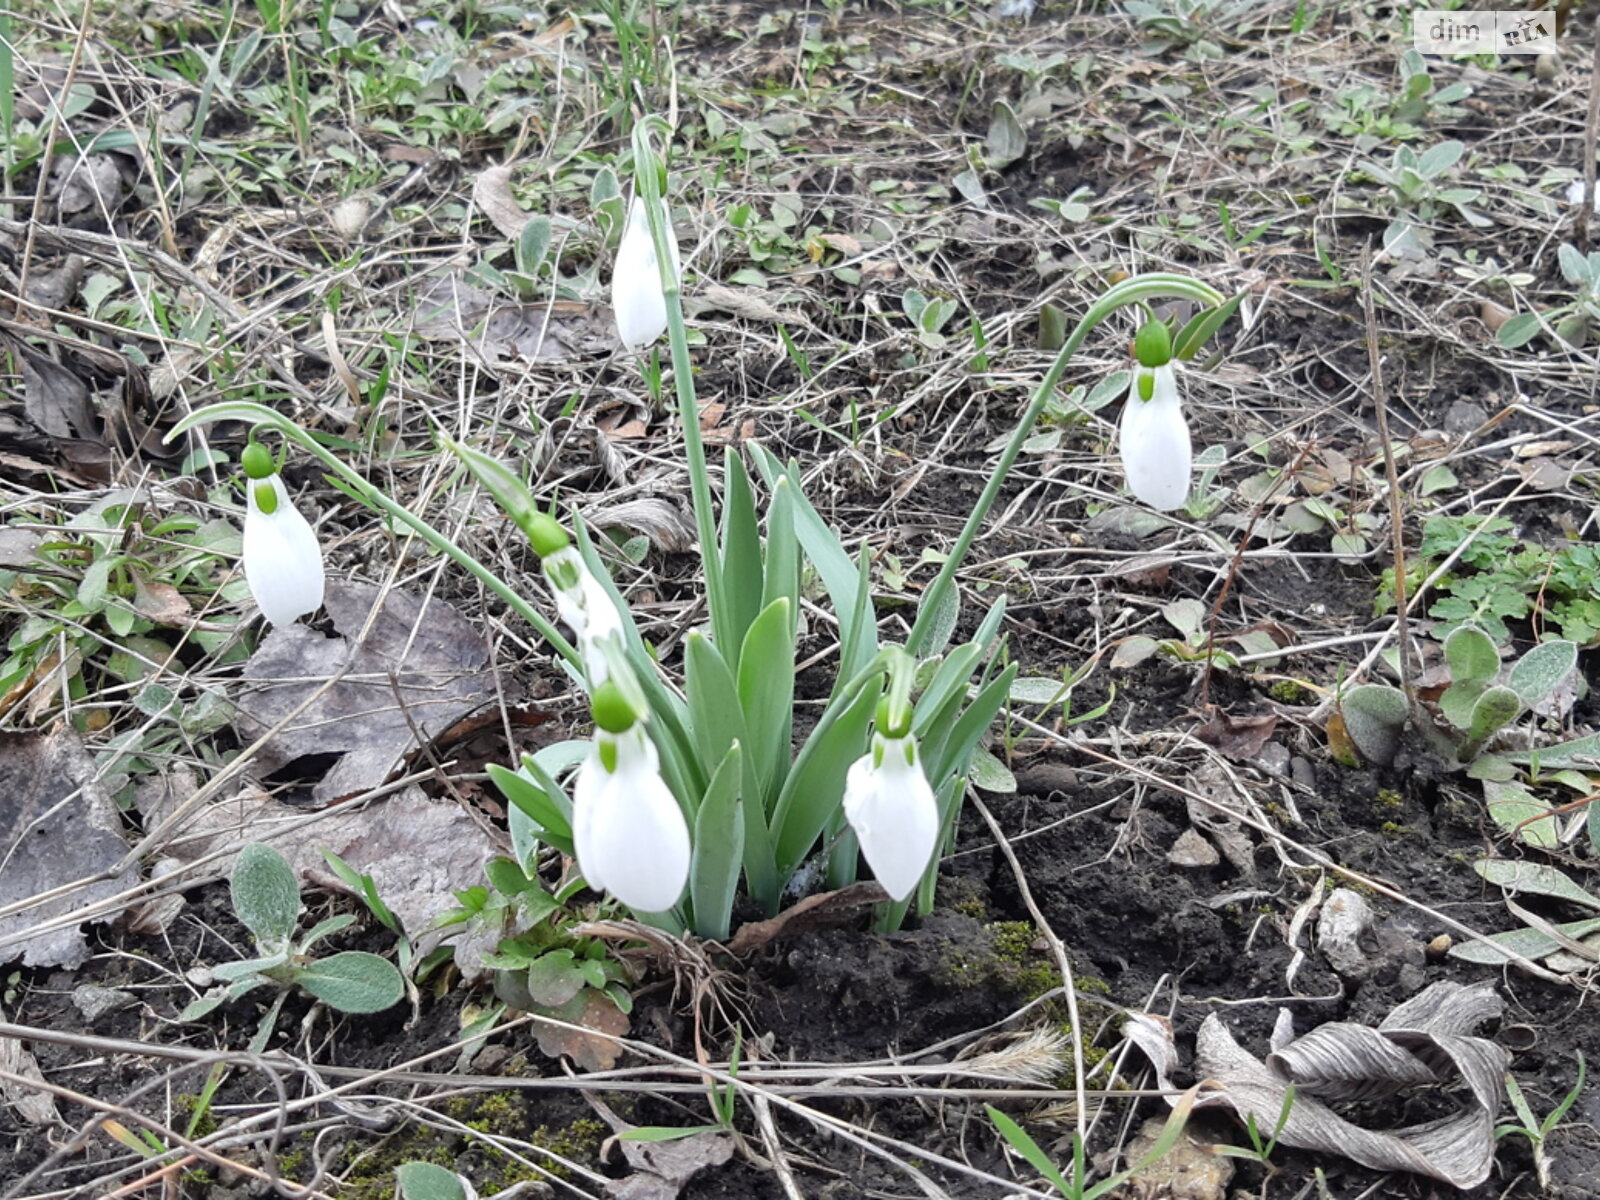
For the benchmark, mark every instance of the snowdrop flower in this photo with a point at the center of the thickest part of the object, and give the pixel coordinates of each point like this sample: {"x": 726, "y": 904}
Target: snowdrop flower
{"x": 890, "y": 805}
{"x": 282, "y": 559}
{"x": 636, "y": 295}
{"x": 581, "y": 599}
{"x": 629, "y": 833}
{"x": 1157, "y": 455}
{"x": 1575, "y": 194}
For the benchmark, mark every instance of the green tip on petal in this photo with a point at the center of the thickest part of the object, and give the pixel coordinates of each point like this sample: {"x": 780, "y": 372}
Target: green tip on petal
{"x": 611, "y": 709}
{"x": 266, "y": 498}
{"x": 257, "y": 461}
{"x": 546, "y": 535}
{"x": 1152, "y": 346}
{"x": 1147, "y": 385}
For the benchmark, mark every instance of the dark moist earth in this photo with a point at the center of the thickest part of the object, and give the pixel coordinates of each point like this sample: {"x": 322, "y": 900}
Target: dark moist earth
{"x": 1092, "y": 846}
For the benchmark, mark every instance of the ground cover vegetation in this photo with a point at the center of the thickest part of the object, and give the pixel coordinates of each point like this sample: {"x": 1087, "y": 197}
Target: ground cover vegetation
{"x": 754, "y": 600}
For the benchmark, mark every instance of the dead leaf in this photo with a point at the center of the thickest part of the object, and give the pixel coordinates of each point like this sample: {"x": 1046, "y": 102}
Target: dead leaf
{"x": 491, "y": 192}
{"x": 34, "y": 1105}
{"x": 57, "y": 825}
{"x": 449, "y": 308}
{"x": 748, "y": 302}
{"x": 419, "y": 671}
{"x": 597, "y": 1050}
{"x": 407, "y": 153}
{"x": 1426, "y": 1041}
{"x": 660, "y": 1168}
{"x": 53, "y": 398}
{"x": 419, "y": 852}
{"x": 1238, "y": 738}
{"x": 1544, "y": 474}
{"x": 825, "y": 910}
{"x": 159, "y": 601}
{"x": 58, "y": 286}
{"x": 664, "y": 523}
{"x": 93, "y": 181}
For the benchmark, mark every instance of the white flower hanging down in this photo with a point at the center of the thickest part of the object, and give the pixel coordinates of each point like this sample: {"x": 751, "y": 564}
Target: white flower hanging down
{"x": 890, "y": 805}
{"x": 1157, "y": 455}
{"x": 282, "y": 558}
{"x": 629, "y": 833}
{"x": 585, "y": 606}
{"x": 636, "y": 293}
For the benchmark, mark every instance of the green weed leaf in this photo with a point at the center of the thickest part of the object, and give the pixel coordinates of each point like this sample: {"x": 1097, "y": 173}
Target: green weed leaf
{"x": 265, "y": 894}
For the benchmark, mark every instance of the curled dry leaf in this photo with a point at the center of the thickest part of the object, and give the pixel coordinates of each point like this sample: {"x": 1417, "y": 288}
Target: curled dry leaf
{"x": 419, "y": 670}
{"x": 660, "y": 1168}
{"x": 449, "y": 308}
{"x": 663, "y": 522}
{"x": 593, "y": 1046}
{"x": 1427, "y": 1041}
{"x": 492, "y": 194}
{"x": 821, "y": 911}
{"x": 57, "y": 826}
{"x": 34, "y": 1105}
{"x": 750, "y": 303}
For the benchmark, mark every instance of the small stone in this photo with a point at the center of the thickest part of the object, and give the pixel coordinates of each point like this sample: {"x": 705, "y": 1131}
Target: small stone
{"x": 201, "y": 977}
{"x": 1463, "y": 417}
{"x": 1439, "y": 947}
{"x": 1302, "y": 772}
{"x": 349, "y": 217}
{"x": 1346, "y": 918}
{"x": 95, "y": 1002}
{"x": 1192, "y": 850}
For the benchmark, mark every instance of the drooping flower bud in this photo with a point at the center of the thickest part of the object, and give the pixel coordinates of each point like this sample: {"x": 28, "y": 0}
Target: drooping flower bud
{"x": 282, "y": 558}
{"x": 891, "y": 807}
{"x": 1157, "y": 454}
{"x": 637, "y": 297}
{"x": 629, "y": 833}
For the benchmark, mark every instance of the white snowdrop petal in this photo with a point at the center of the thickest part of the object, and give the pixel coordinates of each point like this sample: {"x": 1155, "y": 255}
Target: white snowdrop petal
{"x": 644, "y": 848}
{"x": 1157, "y": 455}
{"x": 629, "y": 833}
{"x": 895, "y": 817}
{"x": 282, "y": 558}
{"x": 1575, "y": 191}
{"x": 592, "y": 778}
{"x": 636, "y": 295}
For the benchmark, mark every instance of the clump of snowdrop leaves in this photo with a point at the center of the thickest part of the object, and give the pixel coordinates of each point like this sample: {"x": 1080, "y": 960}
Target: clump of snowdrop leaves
{"x": 637, "y": 293}
{"x": 629, "y": 833}
{"x": 1157, "y": 455}
{"x": 282, "y": 559}
{"x": 891, "y": 806}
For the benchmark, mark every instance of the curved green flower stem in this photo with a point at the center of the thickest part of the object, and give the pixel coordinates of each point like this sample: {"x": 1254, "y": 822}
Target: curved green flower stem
{"x": 647, "y": 175}
{"x": 258, "y": 415}
{"x": 1135, "y": 290}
